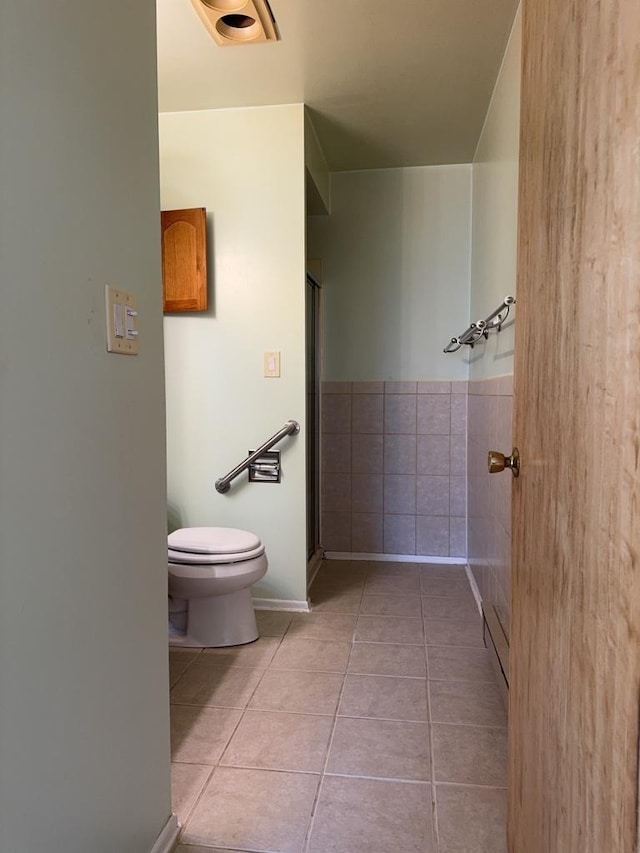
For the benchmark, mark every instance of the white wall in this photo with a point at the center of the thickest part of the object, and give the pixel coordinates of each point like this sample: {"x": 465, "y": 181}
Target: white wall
{"x": 84, "y": 754}
{"x": 396, "y": 255}
{"x": 246, "y": 166}
{"x": 495, "y": 213}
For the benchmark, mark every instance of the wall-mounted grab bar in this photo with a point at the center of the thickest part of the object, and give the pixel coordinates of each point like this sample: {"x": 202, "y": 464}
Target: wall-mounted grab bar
{"x": 481, "y": 328}
{"x": 223, "y": 483}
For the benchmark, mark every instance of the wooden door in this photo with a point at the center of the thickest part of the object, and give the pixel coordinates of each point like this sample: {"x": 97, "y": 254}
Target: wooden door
{"x": 575, "y": 643}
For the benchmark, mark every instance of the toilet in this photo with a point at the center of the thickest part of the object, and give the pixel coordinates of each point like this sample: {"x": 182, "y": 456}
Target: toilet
{"x": 211, "y": 572}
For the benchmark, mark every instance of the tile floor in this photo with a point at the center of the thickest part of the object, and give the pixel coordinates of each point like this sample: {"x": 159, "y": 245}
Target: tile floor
{"x": 372, "y": 725}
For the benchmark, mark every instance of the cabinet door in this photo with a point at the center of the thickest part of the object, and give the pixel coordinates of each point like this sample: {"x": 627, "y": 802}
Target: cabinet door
{"x": 184, "y": 259}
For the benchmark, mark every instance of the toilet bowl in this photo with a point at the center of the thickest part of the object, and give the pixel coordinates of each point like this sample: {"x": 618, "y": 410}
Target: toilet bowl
{"x": 211, "y": 571}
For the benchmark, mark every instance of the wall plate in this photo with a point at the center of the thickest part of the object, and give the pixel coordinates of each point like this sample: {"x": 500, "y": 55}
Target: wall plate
{"x": 121, "y": 310}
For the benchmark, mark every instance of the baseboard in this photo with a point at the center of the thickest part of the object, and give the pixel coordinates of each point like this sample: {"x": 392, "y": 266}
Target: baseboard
{"x": 396, "y": 558}
{"x": 166, "y": 841}
{"x": 281, "y": 604}
{"x": 313, "y": 566}
{"x": 498, "y": 645}
{"x": 474, "y": 588}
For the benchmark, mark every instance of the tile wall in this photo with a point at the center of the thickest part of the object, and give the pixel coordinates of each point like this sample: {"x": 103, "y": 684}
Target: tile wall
{"x": 394, "y": 468}
{"x": 490, "y": 404}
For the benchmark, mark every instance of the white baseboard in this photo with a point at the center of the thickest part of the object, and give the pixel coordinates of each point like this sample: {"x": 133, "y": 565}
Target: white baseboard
{"x": 396, "y": 558}
{"x": 166, "y": 841}
{"x": 281, "y": 604}
{"x": 474, "y": 588}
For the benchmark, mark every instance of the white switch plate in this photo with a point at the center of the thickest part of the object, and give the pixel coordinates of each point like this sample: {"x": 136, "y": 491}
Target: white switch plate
{"x": 122, "y": 321}
{"x": 272, "y": 364}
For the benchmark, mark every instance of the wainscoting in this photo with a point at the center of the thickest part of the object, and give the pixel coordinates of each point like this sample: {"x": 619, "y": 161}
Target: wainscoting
{"x": 394, "y": 468}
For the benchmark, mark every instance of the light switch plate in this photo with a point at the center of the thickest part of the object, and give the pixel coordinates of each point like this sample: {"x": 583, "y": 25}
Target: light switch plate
{"x": 122, "y": 321}
{"x": 272, "y": 364}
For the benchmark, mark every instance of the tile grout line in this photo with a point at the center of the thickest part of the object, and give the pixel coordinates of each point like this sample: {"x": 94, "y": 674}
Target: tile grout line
{"x": 322, "y": 774}
{"x": 307, "y": 840}
{"x": 243, "y": 711}
{"x": 434, "y": 798}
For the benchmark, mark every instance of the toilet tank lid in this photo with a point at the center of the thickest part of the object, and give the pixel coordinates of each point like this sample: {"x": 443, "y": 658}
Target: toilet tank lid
{"x": 213, "y": 540}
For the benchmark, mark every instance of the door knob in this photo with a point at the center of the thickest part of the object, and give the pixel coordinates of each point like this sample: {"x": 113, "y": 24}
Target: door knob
{"x": 498, "y": 462}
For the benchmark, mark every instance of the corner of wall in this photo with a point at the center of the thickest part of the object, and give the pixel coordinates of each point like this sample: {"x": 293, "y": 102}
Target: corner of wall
{"x": 318, "y": 183}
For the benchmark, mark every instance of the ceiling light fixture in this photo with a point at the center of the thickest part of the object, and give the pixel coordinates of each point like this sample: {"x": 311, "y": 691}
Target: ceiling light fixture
{"x": 233, "y": 22}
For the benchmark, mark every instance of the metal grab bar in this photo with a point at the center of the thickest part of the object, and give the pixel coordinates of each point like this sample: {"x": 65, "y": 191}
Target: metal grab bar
{"x": 290, "y": 428}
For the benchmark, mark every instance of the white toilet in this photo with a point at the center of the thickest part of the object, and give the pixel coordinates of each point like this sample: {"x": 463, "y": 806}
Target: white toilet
{"x": 211, "y": 571}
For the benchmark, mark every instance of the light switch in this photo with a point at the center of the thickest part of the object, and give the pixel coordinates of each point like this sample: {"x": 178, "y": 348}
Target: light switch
{"x": 122, "y": 321}
{"x": 272, "y": 364}
{"x": 118, "y": 322}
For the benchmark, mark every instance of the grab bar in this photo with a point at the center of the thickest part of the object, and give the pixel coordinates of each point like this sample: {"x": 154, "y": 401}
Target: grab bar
{"x": 223, "y": 483}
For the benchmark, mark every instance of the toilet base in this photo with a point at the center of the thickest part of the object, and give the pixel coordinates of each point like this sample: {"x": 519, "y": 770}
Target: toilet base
{"x": 218, "y": 621}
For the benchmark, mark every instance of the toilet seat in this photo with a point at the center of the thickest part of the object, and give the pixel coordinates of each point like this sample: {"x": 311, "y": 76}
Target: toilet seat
{"x": 212, "y": 545}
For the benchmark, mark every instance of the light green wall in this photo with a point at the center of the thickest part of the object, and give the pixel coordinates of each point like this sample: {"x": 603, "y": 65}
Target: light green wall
{"x": 84, "y": 749}
{"x": 396, "y": 254}
{"x": 317, "y": 168}
{"x": 246, "y": 166}
{"x": 495, "y": 213}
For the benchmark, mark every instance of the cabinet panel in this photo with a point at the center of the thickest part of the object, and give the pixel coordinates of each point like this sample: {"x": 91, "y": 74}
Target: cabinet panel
{"x": 184, "y": 259}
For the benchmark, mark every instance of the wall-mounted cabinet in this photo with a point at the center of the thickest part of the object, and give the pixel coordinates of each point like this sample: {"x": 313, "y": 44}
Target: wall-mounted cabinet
{"x": 184, "y": 259}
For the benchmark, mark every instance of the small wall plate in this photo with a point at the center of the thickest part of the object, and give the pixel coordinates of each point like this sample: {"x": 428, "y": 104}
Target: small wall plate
{"x": 121, "y": 310}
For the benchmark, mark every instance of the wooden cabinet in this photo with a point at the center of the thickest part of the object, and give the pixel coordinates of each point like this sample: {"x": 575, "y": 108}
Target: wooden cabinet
{"x": 184, "y": 259}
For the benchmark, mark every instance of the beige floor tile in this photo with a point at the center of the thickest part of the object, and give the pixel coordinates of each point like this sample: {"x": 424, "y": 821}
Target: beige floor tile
{"x": 343, "y": 566}
{"x": 453, "y": 632}
{"x": 453, "y": 587}
{"x": 392, "y": 585}
{"x": 381, "y": 748}
{"x": 278, "y": 741}
{"x": 324, "y": 587}
{"x": 372, "y": 816}
{"x": 197, "y": 848}
{"x": 387, "y": 698}
{"x": 470, "y": 755}
{"x": 261, "y": 810}
{"x": 350, "y": 579}
{"x": 391, "y": 605}
{"x": 273, "y": 623}
{"x": 388, "y": 659}
{"x": 324, "y": 600}
{"x": 342, "y": 569}
{"x": 472, "y": 820}
{"x": 187, "y": 781}
{"x": 258, "y": 653}
{"x": 391, "y": 568}
{"x": 179, "y": 661}
{"x": 466, "y": 702}
{"x": 312, "y": 655}
{"x": 323, "y": 626}
{"x": 199, "y": 735}
{"x": 205, "y": 683}
{"x": 439, "y": 607}
{"x": 451, "y": 663}
{"x": 298, "y": 692}
{"x": 442, "y": 571}
{"x": 390, "y": 629}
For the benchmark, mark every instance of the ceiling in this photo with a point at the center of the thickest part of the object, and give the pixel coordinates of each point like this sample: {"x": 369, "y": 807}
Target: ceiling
{"x": 388, "y": 83}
